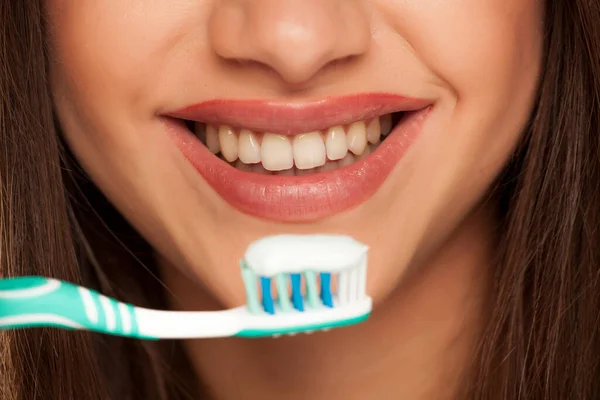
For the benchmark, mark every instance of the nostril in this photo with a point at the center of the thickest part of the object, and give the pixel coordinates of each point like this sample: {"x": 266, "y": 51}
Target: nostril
{"x": 293, "y": 40}
{"x": 292, "y": 85}
{"x": 252, "y": 65}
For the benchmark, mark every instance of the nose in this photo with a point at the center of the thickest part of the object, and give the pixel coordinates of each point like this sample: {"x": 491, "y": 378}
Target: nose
{"x": 296, "y": 39}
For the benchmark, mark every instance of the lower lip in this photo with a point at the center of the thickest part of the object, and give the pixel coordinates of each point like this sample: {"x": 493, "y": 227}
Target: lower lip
{"x": 300, "y": 198}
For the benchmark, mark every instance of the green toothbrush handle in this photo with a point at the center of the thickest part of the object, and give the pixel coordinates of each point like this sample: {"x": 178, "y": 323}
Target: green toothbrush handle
{"x": 28, "y": 302}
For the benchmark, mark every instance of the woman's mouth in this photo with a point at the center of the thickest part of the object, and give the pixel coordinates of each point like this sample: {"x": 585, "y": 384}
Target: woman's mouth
{"x": 302, "y": 154}
{"x": 298, "y": 162}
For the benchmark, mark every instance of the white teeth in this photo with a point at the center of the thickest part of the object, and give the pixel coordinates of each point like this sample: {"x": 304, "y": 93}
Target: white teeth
{"x": 356, "y": 138}
{"x": 276, "y": 152}
{"x": 374, "y": 131}
{"x": 212, "y": 139}
{"x": 365, "y": 153}
{"x": 386, "y": 124}
{"x": 229, "y": 143}
{"x": 309, "y": 150}
{"x": 249, "y": 147}
{"x": 336, "y": 143}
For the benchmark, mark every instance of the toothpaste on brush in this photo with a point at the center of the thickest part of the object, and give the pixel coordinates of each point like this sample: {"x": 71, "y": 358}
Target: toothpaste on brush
{"x": 283, "y": 263}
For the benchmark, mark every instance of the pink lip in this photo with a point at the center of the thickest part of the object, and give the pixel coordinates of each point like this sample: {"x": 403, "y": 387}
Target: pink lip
{"x": 287, "y": 118}
{"x": 308, "y": 197}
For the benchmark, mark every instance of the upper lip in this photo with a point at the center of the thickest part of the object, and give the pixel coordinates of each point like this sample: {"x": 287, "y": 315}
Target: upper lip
{"x": 284, "y": 117}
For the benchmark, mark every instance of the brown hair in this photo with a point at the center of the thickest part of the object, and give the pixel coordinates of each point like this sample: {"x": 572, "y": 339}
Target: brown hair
{"x": 542, "y": 340}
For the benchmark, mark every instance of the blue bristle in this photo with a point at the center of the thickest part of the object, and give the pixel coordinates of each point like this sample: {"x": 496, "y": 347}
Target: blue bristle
{"x": 297, "y": 299}
{"x": 326, "y": 289}
{"x": 267, "y": 299}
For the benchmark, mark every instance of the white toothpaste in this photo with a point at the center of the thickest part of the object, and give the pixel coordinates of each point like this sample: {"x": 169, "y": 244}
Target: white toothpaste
{"x": 272, "y": 255}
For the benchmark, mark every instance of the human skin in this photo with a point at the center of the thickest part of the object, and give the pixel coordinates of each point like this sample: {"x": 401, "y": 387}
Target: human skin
{"x": 117, "y": 66}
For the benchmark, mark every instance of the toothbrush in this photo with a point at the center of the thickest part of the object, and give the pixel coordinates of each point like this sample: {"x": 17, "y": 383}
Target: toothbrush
{"x": 283, "y": 264}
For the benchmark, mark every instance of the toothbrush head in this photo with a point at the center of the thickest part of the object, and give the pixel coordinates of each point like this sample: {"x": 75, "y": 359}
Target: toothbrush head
{"x": 298, "y": 283}
{"x": 293, "y": 284}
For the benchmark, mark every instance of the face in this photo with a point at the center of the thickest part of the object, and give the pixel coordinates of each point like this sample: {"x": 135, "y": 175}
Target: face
{"x": 210, "y": 123}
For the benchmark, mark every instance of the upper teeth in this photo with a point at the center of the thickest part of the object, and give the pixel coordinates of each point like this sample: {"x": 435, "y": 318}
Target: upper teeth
{"x": 304, "y": 151}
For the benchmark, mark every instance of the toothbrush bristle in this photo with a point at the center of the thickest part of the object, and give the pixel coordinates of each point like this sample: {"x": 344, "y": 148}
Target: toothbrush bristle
{"x": 267, "y": 298}
{"x": 297, "y": 299}
{"x": 326, "y": 294}
{"x": 318, "y": 290}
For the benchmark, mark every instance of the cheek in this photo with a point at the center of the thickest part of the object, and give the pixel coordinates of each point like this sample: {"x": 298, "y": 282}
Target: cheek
{"x": 474, "y": 46}
{"x": 485, "y": 56}
{"x": 114, "y": 58}
{"x": 106, "y": 68}
{"x": 110, "y": 65}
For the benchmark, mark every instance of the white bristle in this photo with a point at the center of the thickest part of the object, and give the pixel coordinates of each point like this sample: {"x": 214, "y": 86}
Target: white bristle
{"x": 353, "y": 284}
{"x": 358, "y": 284}
{"x": 342, "y": 292}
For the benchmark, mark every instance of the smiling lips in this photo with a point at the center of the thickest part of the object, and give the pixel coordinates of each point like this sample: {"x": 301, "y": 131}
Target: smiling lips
{"x": 302, "y": 161}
